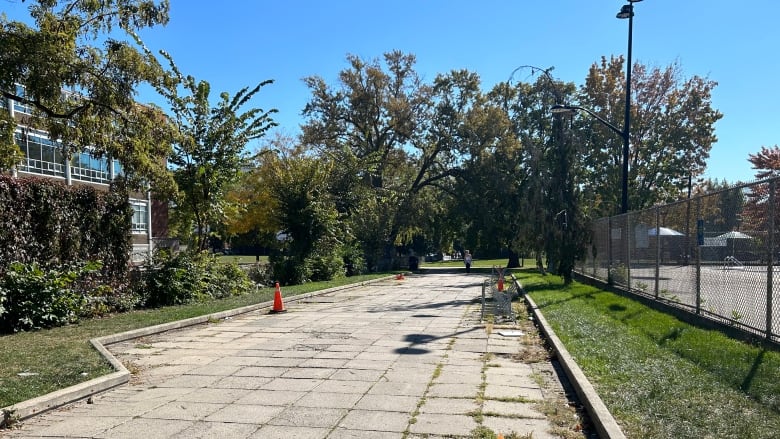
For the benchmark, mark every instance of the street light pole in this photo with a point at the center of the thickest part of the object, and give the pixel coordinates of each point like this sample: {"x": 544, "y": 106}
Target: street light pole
{"x": 627, "y": 11}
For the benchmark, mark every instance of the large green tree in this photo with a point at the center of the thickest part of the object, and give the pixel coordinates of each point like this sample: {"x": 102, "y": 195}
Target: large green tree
{"x": 541, "y": 183}
{"x": 78, "y": 68}
{"x": 379, "y": 125}
{"x": 209, "y": 148}
{"x": 672, "y": 132}
{"x": 488, "y": 190}
{"x": 312, "y": 238}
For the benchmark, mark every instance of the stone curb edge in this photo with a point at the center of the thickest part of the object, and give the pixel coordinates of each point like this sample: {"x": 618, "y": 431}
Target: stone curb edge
{"x": 602, "y": 419}
{"x": 58, "y": 398}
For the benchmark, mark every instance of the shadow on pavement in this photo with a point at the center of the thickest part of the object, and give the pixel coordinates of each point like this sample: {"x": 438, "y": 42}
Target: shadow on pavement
{"x": 438, "y": 305}
{"x": 421, "y": 339}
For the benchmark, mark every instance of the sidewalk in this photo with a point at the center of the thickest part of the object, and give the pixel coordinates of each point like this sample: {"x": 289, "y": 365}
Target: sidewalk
{"x": 398, "y": 358}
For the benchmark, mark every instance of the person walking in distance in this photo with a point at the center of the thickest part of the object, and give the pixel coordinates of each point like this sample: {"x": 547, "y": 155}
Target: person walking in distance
{"x": 467, "y": 261}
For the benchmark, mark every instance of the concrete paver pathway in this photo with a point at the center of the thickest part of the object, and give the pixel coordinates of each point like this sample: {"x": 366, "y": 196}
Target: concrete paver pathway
{"x": 390, "y": 359}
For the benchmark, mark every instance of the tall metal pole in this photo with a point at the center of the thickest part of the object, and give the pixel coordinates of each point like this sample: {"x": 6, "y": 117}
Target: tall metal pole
{"x": 627, "y": 121}
{"x": 770, "y": 269}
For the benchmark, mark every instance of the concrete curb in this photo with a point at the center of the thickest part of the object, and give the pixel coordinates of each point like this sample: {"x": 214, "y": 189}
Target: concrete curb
{"x": 43, "y": 403}
{"x": 602, "y": 419}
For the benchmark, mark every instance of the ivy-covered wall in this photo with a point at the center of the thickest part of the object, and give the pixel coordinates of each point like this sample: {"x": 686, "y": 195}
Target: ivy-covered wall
{"x": 52, "y": 224}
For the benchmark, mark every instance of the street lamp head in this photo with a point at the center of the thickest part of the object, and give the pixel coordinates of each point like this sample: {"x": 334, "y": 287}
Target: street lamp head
{"x": 562, "y": 109}
{"x": 627, "y": 11}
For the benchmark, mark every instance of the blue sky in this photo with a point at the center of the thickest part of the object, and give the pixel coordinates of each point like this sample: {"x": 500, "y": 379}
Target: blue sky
{"x": 238, "y": 43}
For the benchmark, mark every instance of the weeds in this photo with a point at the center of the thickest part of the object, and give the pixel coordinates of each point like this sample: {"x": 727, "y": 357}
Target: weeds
{"x": 9, "y": 418}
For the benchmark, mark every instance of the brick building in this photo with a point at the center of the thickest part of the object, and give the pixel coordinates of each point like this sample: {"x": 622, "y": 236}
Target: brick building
{"x": 43, "y": 157}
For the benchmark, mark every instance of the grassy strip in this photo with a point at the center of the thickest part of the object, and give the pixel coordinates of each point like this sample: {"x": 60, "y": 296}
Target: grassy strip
{"x": 56, "y": 358}
{"x": 479, "y": 265}
{"x": 661, "y": 377}
{"x": 242, "y": 259}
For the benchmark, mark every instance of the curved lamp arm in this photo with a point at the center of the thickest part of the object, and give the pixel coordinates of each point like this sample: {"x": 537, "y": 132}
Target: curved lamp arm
{"x": 568, "y": 109}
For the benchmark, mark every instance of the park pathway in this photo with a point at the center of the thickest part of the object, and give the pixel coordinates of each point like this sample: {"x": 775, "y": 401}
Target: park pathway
{"x": 391, "y": 359}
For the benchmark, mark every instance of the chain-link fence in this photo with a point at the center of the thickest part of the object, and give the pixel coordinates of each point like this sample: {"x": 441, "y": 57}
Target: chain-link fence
{"x": 713, "y": 255}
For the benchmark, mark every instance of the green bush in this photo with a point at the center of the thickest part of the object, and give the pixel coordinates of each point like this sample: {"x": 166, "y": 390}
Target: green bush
{"x": 104, "y": 299}
{"x": 619, "y": 274}
{"x": 327, "y": 260}
{"x": 261, "y": 274}
{"x": 354, "y": 262}
{"x": 169, "y": 280}
{"x": 287, "y": 270}
{"x": 188, "y": 277}
{"x": 323, "y": 266}
{"x": 34, "y": 297}
{"x": 230, "y": 280}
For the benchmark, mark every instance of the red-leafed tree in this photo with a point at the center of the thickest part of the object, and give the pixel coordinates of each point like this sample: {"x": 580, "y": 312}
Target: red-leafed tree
{"x": 756, "y": 211}
{"x": 766, "y": 162}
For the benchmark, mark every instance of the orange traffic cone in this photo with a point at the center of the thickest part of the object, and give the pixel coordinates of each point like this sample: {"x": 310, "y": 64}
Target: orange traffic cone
{"x": 278, "y": 303}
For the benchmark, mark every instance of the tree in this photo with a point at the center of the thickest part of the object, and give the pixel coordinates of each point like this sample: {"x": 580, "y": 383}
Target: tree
{"x": 310, "y": 231}
{"x": 488, "y": 187}
{"x": 546, "y": 174}
{"x": 672, "y": 132}
{"x": 756, "y": 211}
{"x": 209, "y": 148}
{"x": 372, "y": 127}
{"x": 766, "y": 162}
{"x": 721, "y": 204}
{"x": 251, "y": 200}
{"x": 79, "y": 80}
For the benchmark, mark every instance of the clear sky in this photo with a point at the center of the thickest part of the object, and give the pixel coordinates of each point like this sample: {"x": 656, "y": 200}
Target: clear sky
{"x": 238, "y": 43}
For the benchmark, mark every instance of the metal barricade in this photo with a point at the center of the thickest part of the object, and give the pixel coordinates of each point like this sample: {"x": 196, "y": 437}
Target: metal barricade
{"x": 497, "y": 295}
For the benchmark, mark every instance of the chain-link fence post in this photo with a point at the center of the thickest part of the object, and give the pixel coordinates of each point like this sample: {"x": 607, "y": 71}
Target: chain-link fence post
{"x": 699, "y": 232}
{"x": 627, "y": 235}
{"x": 657, "y": 250}
{"x": 770, "y": 258}
{"x": 609, "y": 251}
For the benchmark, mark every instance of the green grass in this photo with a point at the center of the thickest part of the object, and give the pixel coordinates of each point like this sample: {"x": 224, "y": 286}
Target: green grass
{"x": 241, "y": 259}
{"x": 482, "y": 264}
{"x": 661, "y": 377}
{"x": 62, "y": 357}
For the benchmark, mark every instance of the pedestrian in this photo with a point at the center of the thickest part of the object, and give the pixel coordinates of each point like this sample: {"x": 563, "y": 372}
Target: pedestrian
{"x": 467, "y": 261}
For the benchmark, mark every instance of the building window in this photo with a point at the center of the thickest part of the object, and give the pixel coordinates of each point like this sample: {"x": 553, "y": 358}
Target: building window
{"x": 140, "y": 223}
{"x": 18, "y": 106}
{"x": 86, "y": 167}
{"x": 41, "y": 155}
{"x": 44, "y": 156}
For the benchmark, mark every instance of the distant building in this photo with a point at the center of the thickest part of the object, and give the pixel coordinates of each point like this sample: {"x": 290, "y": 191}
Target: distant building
{"x": 43, "y": 157}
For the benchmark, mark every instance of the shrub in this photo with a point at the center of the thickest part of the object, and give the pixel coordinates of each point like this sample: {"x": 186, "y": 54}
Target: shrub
{"x": 287, "y": 270}
{"x": 188, "y": 277}
{"x": 323, "y": 266}
{"x": 230, "y": 280}
{"x": 261, "y": 274}
{"x": 354, "y": 262}
{"x": 34, "y": 298}
{"x": 105, "y": 299}
{"x": 168, "y": 280}
{"x": 619, "y": 274}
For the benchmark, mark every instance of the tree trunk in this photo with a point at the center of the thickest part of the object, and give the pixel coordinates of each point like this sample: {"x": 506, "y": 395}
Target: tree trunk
{"x": 539, "y": 263}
